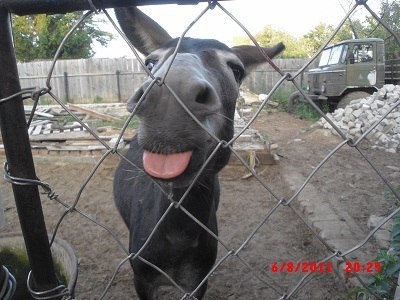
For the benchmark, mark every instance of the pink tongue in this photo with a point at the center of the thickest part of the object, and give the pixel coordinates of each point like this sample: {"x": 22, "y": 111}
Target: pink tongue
{"x": 166, "y": 166}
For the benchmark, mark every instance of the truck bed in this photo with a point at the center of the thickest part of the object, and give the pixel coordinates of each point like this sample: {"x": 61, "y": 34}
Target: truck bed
{"x": 392, "y": 71}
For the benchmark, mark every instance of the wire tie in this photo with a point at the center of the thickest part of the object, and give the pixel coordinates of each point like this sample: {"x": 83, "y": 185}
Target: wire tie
{"x": 284, "y": 201}
{"x": 93, "y": 7}
{"x": 159, "y": 81}
{"x": 289, "y": 77}
{"x": 212, "y": 4}
{"x": 57, "y": 292}
{"x": 224, "y": 144}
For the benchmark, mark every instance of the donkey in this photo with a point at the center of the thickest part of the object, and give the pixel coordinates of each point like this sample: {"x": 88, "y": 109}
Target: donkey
{"x": 170, "y": 149}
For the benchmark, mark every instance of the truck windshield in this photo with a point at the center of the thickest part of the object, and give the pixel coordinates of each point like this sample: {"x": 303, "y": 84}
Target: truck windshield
{"x": 332, "y": 56}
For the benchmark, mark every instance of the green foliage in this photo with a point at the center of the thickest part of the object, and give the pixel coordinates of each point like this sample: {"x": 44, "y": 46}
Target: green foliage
{"x": 133, "y": 124}
{"x": 98, "y": 99}
{"x": 295, "y": 48}
{"x": 281, "y": 96}
{"x": 390, "y": 15}
{"x": 316, "y": 37}
{"x": 16, "y": 261}
{"x": 38, "y": 36}
{"x": 302, "y": 47}
{"x": 384, "y": 283}
{"x": 306, "y": 112}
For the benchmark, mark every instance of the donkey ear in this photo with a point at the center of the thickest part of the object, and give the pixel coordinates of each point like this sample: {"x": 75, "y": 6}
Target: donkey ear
{"x": 143, "y": 32}
{"x": 251, "y": 55}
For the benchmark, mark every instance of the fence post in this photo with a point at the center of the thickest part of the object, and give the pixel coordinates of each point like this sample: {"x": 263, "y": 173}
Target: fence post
{"x": 20, "y": 161}
{"x": 118, "y": 73}
{"x": 66, "y": 87}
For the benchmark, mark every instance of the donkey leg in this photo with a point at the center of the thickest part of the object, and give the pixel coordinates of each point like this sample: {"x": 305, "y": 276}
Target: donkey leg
{"x": 144, "y": 288}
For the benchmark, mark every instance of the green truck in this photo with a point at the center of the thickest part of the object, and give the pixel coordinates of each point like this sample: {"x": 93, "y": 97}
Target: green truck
{"x": 349, "y": 70}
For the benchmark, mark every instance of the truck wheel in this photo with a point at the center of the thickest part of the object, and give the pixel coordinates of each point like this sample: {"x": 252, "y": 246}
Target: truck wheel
{"x": 294, "y": 98}
{"x": 350, "y": 97}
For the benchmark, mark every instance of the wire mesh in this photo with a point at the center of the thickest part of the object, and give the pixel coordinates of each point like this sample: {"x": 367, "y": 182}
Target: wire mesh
{"x": 277, "y": 291}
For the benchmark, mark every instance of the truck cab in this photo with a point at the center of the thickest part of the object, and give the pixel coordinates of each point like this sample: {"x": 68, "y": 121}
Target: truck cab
{"x": 346, "y": 71}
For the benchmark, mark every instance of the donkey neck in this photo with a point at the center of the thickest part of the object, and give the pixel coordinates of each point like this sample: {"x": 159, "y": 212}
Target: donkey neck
{"x": 200, "y": 202}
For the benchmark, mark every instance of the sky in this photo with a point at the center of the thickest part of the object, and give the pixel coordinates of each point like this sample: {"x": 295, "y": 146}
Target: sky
{"x": 293, "y": 16}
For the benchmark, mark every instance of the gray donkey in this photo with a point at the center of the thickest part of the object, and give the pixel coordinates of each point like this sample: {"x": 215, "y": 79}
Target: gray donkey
{"x": 170, "y": 148}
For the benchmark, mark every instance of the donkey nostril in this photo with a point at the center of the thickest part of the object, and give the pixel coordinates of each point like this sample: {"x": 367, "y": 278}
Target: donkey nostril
{"x": 203, "y": 96}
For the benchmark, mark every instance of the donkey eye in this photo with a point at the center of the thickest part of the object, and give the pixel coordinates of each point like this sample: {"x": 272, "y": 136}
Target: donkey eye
{"x": 150, "y": 64}
{"x": 238, "y": 71}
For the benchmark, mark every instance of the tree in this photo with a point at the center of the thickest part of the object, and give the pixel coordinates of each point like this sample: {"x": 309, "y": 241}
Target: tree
{"x": 38, "y": 36}
{"x": 316, "y": 37}
{"x": 295, "y": 48}
{"x": 390, "y": 15}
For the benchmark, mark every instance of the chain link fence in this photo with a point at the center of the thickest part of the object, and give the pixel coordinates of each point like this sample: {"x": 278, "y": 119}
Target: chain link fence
{"x": 228, "y": 252}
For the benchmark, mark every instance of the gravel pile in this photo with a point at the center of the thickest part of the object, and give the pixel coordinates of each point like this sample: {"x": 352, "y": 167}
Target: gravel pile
{"x": 363, "y": 113}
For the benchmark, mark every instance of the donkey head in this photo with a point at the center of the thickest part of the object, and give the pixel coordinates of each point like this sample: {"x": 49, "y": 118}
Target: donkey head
{"x": 203, "y": 78}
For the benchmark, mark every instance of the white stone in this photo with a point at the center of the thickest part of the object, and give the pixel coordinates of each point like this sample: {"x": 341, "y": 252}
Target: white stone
{"x": 389, "y": 87}
{"x": 354, "y": 102}
{"x": 395, "y": 114}
{"x": 338, "y": 117}
{"x": 365, "y": 107}
{"x": 384, "y": 122}
{"x": 339, "y": 111}
{"x": 355, "y": 131}
{"x": 362, "y": 114}
{"x": 357, "y": 113}
{"x": 370, "y": 115}
{"x": 370, "y": 100}
{"x": 262, "y": 97}
{"x": 351, "y": 124}
{"x": 348, "y": 110}
{"x": 383, "y": 139}
{"x": 393, "y": 144}
{"x": 379, "y": 103}
{"x": 388, "y": 128}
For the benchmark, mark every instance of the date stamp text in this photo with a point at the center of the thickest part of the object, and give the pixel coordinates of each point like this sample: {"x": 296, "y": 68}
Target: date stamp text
{"x": 324, "y": 267}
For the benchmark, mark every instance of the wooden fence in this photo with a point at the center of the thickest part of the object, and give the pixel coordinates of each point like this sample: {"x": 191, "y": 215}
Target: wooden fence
{"x": 99, "y": 80}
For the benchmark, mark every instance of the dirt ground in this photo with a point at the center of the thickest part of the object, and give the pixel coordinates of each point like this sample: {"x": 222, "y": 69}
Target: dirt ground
{"x": 244, "y": 204}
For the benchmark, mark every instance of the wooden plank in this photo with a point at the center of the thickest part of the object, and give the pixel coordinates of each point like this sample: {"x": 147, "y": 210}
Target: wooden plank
{"x": 39, "y": 122}
{"x": 37, "y": 130}
{"x": 43, "y": 114}
{"x": 75, "y": 148}
{"x": 95, "y": 114}
{"x": 62, "y": 136}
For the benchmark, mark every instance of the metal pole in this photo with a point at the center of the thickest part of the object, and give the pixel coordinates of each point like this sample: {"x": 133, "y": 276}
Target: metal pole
{"x": 30, "y": 7}
{"x": 20, "y": 162}
{"x": 118, "y": 73}
{"x": 66, "y": 87}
